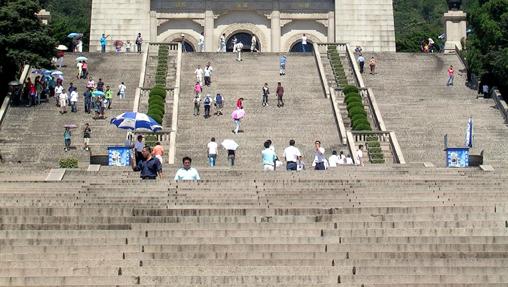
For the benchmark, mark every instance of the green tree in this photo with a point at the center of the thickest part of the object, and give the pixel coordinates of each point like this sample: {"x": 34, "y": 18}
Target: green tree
{"x": 23, "y": 39}
{"x": 69, "y": 16}
{"x": 487, "y": 46}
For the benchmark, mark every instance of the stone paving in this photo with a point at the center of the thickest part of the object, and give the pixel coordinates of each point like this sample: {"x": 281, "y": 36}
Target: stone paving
{"x": 415, "y": 102}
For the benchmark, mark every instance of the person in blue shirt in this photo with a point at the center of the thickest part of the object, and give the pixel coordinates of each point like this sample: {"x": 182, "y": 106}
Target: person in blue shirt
{"x": 150, "y": 167}
{"x": 103, "y": 41}
{"x": 282, "y": 62}
{"x": 269, "y": 157}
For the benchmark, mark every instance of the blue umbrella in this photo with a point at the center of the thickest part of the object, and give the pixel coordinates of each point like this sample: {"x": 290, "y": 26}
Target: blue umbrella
{"x": 74, "y": 35}
{"x": 137, "y": 122}
{"x": 81, "y": 58}
{"x": 56, "y": 73}
{"x": 97, "y": 93}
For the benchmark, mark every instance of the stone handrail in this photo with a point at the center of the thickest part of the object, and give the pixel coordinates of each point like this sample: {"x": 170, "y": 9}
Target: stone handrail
{"x": 382, "y": 136}
{"x": 338, "y": 116}
{"x": 7, "y": 99}
{"x": 161, "y": 136}
{"x": 172, "y": 46}
{"x": 321, "y": 69}
{"x": 176, "y": 96}
{"x": 141, "y": 79}
{"x": 351, "y": 143}
{"x": 500, "y": 103}
{"x": 378, "y": 118}
{"x": 354, "y": 65}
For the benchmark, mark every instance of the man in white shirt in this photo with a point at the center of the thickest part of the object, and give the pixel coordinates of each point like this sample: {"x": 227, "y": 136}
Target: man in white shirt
{"x": 74, "y": 101}
{"x": 62, "y": 99}
{"x": 342, "y": 158}
{"x": 359, "y": 155}
{"x": 201, "y": 42}
{"x": 222, "y": 43}
{"x": 304, "y": 43}
{"x": 187, "y": 172}
{"x": 121, "y": 90}
{"x": 238, "y": 48}
{"x": 253, "y": 44}
{"x": 292, "y": 155}
{"x": 333, "y": 160}
{"x": 208, "y": 74}
{"x": 212, "y": 152}
{"x": 319, "y": 156}
{"x": 58, "y": 90}
{"x": 199, "y": 75}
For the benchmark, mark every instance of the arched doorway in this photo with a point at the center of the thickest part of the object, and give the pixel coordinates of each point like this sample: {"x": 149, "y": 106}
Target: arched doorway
{"x": 187, "y": 46}
{"x": 245, "y": 38}
{"x": 297, "y": 47}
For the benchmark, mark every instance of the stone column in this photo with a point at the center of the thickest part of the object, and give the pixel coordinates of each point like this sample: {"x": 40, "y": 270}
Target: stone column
{"x": 331, "y": 27}
{"x": 154, "y": 23}
{"x": 275, "y": 25}
{"x": 209, "y": 29}
{"x": 455, "y": 29}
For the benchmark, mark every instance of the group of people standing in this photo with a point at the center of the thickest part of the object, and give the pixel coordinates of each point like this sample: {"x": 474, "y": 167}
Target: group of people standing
{"x": 118, "y": 44}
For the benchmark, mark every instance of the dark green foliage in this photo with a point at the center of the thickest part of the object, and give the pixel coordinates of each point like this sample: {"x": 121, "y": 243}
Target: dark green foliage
{"x": 350, "y": 89}
{"x": 354, "y": 100}
{"x": 23, "y": 39}
{"x": 156, "y": 117}
{"x": 68, "y": 162}
{"x": 69, "y": 16}
{"x": 362, "y": 127}
{"x": 354, "y": 105}
{"x": 373, "y": 144}
{"x": 375, "y": 150}
{"x": 487, "y": 46}
{"x": 356, "y": 110}
{"x": 358, "y": 117}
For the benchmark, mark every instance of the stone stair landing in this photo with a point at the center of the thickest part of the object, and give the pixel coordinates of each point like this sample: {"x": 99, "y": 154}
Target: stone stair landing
{"x": 307, "y": 115}
{"x": 34, "y": 135}
{"x": 415, "y": 102}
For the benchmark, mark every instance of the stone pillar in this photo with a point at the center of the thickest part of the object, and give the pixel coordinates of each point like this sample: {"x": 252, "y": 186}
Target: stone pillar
{"x": 154, "y": 23}
{"x": 209, "y": 29}
{"x": 455, "y": 22}
{"x": 275, "y": 26}
{"x": 331, "y": 27}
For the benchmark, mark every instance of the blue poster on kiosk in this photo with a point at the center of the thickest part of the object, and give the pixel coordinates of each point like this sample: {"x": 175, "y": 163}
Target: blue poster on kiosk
{"x": 457, "y": 157}
{"x": 119, "y": 156}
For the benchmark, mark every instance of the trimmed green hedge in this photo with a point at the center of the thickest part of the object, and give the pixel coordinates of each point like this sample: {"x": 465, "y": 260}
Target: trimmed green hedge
{"x": 68, "y": 162}
{"x": 157, "y": 95}
{"x": 373, "y": 144}
{"x": 350, "y": 89}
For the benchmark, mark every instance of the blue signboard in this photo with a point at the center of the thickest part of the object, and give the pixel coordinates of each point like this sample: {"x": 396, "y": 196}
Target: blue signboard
{"x": 119, "y": 156}
{"x": 457, "y": 157}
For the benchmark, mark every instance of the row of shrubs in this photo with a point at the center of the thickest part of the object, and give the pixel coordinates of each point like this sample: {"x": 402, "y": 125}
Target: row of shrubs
{"x": 355, "y": 107}
{"x": 374, "y": 149}
{"x": 157, "y": 96}
{"x": 338, "y": 69}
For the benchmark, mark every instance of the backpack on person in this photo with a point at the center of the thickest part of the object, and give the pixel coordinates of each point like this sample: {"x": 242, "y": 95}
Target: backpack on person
{"x": 218, "y": 99}
{"x": 207, "y": 101}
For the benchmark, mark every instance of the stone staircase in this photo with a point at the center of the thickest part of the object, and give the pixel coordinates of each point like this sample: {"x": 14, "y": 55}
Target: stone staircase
{"x": 371, "y": 226}
{"x": 34, "y": 136}
{"x": 306, "y": 117}
{"x": 412, "y": 94}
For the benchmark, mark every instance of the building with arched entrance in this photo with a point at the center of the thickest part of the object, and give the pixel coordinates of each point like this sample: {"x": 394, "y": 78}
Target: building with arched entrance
{"x": 277, "y": 24}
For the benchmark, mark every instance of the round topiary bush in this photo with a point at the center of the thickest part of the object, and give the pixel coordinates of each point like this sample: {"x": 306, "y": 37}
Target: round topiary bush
{"x": 354, "y": 105}
{"x": 155, "y": 112}
{"x": 156, "y": 106}
{"x": 156, "y": 100}
{"x": 362, "y": 127}
{"x": 373, "y": 144}
{"x": 349, "y": 89}
{"x": 356, "y": 111}
{"x": 352, "y": 100}
{"x": 360, "y": 122}
{"x": 358, "y": 117}
{"x": 157, "y": 118}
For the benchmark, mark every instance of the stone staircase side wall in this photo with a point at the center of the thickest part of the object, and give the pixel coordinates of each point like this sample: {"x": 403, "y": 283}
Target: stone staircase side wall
{"x": 372, "y": 28}
{"x": 130, "y": 18}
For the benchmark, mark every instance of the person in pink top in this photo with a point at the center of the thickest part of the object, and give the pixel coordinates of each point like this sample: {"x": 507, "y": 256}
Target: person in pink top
{"x": 158, "y": 151}
{"x": 451, "y": 73}
{"x": 198, "y": 89}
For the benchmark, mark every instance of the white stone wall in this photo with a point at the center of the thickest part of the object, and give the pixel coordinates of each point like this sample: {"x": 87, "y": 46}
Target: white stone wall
{"x": 121, "y": 19}
{"x": 365, "y": 23}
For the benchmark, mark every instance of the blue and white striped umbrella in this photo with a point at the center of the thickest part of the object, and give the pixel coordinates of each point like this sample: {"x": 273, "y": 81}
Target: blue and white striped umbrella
{"x": 137, "y": 122}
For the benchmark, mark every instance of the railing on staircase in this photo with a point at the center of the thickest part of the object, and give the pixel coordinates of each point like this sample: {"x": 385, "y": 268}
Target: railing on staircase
{"x": 370, "y": 100}
{"x": 166, "y": 137}
{"x": 7, "y": 100}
